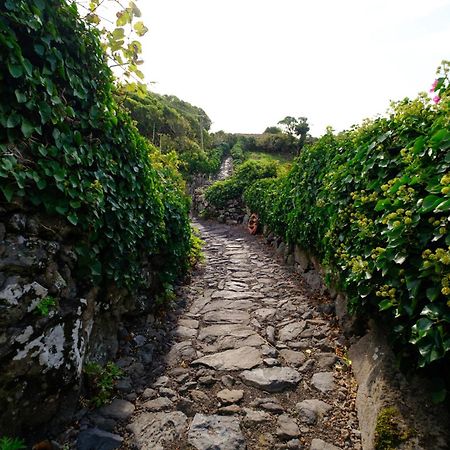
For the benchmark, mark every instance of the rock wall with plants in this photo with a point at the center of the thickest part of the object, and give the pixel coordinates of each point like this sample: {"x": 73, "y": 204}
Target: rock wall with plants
{"x": 373, "y": 204}
{"x": 93, "y": 220}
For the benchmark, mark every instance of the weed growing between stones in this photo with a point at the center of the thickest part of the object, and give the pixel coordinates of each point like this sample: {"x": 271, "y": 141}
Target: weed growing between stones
{"x": 100, "y": 382}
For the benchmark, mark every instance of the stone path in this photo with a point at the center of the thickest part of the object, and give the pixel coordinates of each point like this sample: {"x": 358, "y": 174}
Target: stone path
{"x": 247, "y": 362}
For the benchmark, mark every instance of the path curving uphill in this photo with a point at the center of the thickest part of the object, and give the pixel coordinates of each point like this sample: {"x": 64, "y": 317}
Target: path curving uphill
{"x": 250, "y": 363}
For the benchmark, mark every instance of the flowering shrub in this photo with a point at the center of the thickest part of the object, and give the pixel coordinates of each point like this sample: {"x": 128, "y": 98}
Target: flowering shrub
{"x": 374, "y": 204}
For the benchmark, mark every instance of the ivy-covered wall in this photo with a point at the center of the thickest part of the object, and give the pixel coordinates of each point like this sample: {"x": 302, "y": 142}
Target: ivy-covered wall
{"x": 96, "y": 214}
{"x": 373, "y": 203}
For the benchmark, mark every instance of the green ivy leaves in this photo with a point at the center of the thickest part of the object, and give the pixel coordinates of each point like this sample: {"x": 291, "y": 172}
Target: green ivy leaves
{"x": 69, "y": 149}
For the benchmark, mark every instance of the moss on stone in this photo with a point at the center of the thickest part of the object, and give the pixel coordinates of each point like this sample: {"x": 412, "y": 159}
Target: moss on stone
{"x": 389, "y": 432}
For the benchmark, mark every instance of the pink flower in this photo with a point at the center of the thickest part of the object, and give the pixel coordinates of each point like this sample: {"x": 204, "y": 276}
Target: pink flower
{"x": 433, "y": 86}
{"x": 437, "y": 99}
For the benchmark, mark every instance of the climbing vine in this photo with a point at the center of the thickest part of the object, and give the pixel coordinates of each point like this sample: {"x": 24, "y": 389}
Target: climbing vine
{"x": 68, "y": 148}
{"x": 374, "y": 204}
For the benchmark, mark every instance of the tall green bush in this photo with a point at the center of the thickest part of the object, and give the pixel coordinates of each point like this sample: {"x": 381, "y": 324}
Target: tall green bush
{"x": 222, "y": 192}
{"x": 67, "y": 148}
{"x": 374, "y": 203}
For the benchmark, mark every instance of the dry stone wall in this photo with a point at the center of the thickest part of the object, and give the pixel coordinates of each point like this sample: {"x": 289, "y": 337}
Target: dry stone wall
{"x": 51, "y": 321}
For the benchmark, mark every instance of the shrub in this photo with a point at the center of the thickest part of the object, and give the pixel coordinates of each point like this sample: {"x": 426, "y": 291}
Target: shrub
{"x": 221, "y": 192}
{"x": 373, "y": 203}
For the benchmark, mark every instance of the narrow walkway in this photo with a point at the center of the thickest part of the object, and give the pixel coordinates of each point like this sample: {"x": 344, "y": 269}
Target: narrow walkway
{"x": 252, "y": 364}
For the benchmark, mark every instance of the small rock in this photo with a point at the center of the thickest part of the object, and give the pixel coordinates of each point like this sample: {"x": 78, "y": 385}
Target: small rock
{"x": 326, "y": 360}
{"x": 124, "y": 385}
{"x": 158, "y": 404}
{"x": 200, "y": 396}
{"x": 274, "y": 407}
{"x": 271, "y": 379}
{"x": 119, "y": 409}
{"x": 310, "y": 410}
{"x": 166, "y": 392}
{"x": 207, "y": 380}
{"x": 149, "y": 393}
{"x": 271, "y": 362}
{"x": 292, "y": 357}
{"x": 318, "y": 444}
{"x": 161, "y": 381}
{"x": 323, "y": 381}
{"x": 253, "y": 417}
{"x": 229, "y": 410}
{"x": 139, "y": 340}
{"x": 287, "y": 427}
{"x": 226, "y": 396}
{"x": 95, "y": 439}
{"x": 216, "y": 432}
{"x": 227, "y": 381}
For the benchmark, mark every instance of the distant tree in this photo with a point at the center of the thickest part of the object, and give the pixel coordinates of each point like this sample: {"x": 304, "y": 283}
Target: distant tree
{"x": 273, "y": 130}
{"x": 296, "y": 126}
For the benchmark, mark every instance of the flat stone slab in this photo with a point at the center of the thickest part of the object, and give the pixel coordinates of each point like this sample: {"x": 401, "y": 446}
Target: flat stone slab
{"x": 236, "y": 359}
{"x": 227, "y": 316}
{"x": 118, "y": 409}
{"x": 271, "y": 379}
{"x": 217, "y": 305}
{"x": 181, "y": 351}
{"x": 323, "y": 381}
{"x": 216, "y": 433}
{"x": 291, "y": 331}
{"x": 226, "y": 295}
{"x": 153, "y": 431}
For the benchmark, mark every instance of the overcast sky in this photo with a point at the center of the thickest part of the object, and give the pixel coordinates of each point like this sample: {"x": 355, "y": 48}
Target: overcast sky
{"x": 249, "y": 63}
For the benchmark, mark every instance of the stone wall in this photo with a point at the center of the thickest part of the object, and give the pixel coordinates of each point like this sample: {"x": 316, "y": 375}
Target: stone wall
{"x": 42, "y": 353}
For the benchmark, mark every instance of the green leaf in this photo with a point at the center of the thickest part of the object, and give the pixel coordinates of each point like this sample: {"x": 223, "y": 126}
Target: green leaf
{"x": 385, "y": 304}
{"x": 430, "y": 202}
{"x": 13, "y": 120}
{"x": 16, "y": 70}
{"x": 72, "y": 218}
{"x": 21, "y": 98}
{"x": 433, "y": 293}
{"x": 140, "y": 28}
{"x": 443, "y": 206}
{"x": 8, "y": 191}
{"x": 27, "y": 128}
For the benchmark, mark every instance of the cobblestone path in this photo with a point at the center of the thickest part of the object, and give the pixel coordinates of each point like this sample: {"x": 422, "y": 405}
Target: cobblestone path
{"x": 250, "y": 362}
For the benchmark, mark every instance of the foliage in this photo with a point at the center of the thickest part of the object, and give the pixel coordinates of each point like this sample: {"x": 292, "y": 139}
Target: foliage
{"x": 388, "y": 435}
{"x": 7, "y": 443}
{"x": 67, "y": 147}
{"x": 100, "y": 381}
{"x": 120, "y": 39}
{"x": 373, "y": 204}
{"x": 221, "y": 192}
{"x": 196, "y": 254}
{"x": 296, "y": 127}
{"x": 176, "y": 125}
{"x": 45, "y": 305}
{"x": 238, "y": 153}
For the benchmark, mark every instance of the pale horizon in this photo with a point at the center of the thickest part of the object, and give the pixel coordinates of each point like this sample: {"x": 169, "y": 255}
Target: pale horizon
{"x": 250, "y": 63}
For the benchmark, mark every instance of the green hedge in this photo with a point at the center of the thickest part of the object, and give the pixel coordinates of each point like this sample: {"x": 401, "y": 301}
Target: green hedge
{"x": 373, "y": 203}
{"x": 67, "y": 148}
{"x": 222, "y": 192}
